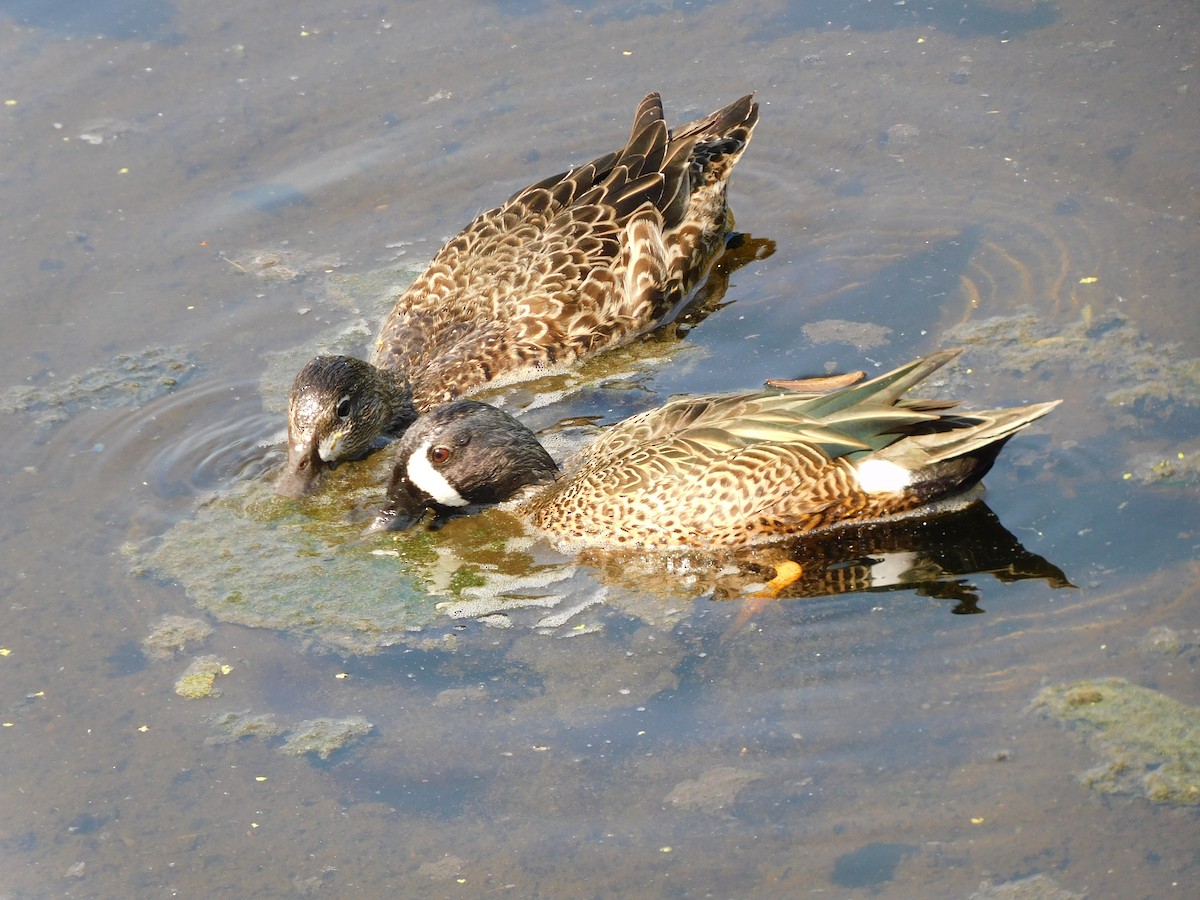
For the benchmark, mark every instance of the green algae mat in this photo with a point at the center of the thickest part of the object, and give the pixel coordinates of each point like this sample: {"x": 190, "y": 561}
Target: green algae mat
{"x": 251, "y": 558}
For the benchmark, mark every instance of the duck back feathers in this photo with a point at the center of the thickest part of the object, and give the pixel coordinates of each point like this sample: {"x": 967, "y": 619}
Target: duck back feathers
{"x": 573, "y": 264}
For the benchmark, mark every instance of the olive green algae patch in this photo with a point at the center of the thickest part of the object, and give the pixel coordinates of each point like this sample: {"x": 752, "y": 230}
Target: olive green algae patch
{"x": 1035, "y": 887}
{"x": 713, "y": 791}
{"x": 1149, "y": 391}
{"x": 198, "y": 680}
{"x": 1150, "y": 742}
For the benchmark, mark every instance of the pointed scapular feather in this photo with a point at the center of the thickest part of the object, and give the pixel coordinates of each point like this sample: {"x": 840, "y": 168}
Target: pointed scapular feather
{"x": 657, "y": 152}
{"x": 877, "y": 426}
{"x": 646, "y": 189}
{"x": 884, "y": 390}
{"x": 677, "y": 192}
{"x": 740, "y": 435}
{"x": 649, "y": 110}
{"x": 646, "y": 149}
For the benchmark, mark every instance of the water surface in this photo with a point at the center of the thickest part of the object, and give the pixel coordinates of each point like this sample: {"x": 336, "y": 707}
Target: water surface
{"x": 194, "y": 193}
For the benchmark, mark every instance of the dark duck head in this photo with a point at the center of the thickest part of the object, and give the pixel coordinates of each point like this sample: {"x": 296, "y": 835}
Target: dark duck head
{"x": 462, "y": 454}
{"x": 341, "y": 408}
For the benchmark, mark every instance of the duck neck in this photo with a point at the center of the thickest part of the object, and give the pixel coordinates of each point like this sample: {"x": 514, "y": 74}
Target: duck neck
{"x": 396, "y": 397}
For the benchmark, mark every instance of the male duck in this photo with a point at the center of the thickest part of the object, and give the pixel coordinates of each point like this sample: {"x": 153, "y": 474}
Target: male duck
{"x": 567, "y": 267}
{"x": 711, "y": 472}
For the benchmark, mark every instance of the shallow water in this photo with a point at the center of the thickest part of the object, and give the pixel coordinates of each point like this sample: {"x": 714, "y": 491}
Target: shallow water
{"x": 218, "y": 191}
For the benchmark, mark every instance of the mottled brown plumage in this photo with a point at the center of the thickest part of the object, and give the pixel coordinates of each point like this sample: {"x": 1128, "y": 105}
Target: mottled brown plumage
{"x": 713, "y": 472}
{"x": 567, "y": 267}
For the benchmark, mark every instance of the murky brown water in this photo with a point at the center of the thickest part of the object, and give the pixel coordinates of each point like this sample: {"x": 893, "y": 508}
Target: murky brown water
{"x": 206, "y": 187}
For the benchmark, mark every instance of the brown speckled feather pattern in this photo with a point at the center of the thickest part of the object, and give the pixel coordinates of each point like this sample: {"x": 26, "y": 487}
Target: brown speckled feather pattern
{"x": 573, "y": 264}
{"x": 730, "y": 471}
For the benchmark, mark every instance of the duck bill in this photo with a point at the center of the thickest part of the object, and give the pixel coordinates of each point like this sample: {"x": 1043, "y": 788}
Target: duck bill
{"x": 303, "y": 471}
{"x": 406, "y": 505}
{"x": 392, "y": 518}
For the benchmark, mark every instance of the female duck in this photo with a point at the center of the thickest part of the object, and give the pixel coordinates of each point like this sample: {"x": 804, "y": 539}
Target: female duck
{"x": 712, "y": 472}
{"x": 569, "y": 266}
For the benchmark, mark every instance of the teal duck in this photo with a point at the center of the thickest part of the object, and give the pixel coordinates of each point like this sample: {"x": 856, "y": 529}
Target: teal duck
{"x": 712, "y": 472}
{"x": 572, "y": 265}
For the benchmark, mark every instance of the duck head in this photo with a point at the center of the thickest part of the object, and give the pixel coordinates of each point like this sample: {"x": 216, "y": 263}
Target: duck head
{"x": 461, "y": 454}
{"x": 341, "y": 408}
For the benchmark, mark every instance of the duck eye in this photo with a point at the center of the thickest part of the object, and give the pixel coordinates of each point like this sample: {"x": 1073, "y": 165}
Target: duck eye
{"x": 343, "y": 407}
{"x": 439, "y": 455}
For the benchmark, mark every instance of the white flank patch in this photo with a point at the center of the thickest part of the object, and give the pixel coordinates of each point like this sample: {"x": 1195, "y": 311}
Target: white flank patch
{"x": 430, "y": 480}
{"x": 879, "y": 476}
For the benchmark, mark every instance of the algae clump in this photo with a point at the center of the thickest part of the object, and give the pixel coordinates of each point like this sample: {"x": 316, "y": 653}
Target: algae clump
{"x": 198, "y": 680}
{"x": 131, "y": 379}
{"x": 172, "y": 634}
{"x": 1151, "y": 742}
{"x": 250, "y": 558}
{"x": 230, "y": 727}
{"x": 324, "y": 736}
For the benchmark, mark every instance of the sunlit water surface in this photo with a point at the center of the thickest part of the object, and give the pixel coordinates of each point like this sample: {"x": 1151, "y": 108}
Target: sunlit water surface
{"x": 197, "y": 199}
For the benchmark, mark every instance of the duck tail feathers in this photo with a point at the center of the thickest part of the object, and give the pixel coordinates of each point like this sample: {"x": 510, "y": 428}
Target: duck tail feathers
{"x": 946, "y": 460}
{"x": 736, "y": 121}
